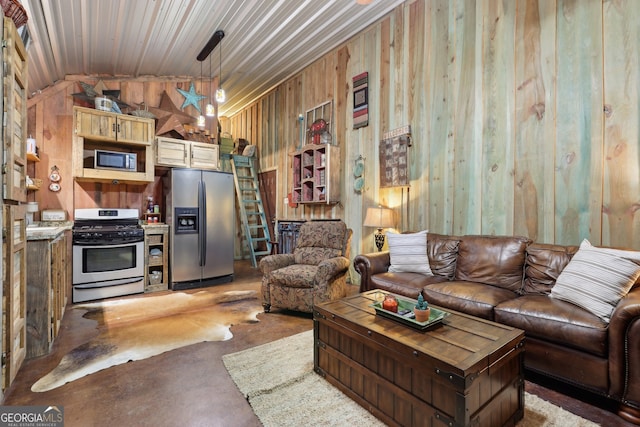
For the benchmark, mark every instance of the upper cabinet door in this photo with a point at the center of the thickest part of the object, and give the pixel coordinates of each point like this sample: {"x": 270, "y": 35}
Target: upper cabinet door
{"x": 204, "y": 156}
{"x": 134, "y": 129}
{"x": 95, "y": 124}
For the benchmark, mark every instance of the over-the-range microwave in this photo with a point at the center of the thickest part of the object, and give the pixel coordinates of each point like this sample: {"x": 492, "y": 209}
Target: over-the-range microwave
{"x": 115, "y": 160}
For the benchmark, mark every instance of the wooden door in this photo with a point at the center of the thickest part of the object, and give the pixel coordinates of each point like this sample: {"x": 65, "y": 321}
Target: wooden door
{"x": 15, "y": 114}
{"x": 14, "y": 250}
{"x": 268, "y": 186}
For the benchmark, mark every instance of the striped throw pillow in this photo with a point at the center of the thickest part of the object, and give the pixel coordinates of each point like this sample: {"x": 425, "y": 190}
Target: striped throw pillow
{"x": 597, "y": 278}
{"x": 408, "y": 253}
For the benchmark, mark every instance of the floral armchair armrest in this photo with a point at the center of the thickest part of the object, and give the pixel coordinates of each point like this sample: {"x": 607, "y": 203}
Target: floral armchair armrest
{"x": 331, "y": 268}
{"x": 274, "y": 262}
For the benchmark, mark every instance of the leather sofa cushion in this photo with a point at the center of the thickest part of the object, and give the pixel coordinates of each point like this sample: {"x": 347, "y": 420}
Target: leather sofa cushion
{"x": 493, "y": 260}
{"x": 472, "y": 298}
{"x": 407, "y": 284}
{"x": 543, "y": 265}
{"x": 442, "y": 252}
{"x": 557, "y": 321}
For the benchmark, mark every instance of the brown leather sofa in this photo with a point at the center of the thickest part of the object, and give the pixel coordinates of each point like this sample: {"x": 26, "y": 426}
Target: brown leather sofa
{"x": 508, "y": 280}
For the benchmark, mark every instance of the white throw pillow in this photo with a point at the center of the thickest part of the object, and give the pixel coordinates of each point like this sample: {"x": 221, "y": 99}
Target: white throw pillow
{"x": 597, "y": 278}
{"x": 408, "y": 253}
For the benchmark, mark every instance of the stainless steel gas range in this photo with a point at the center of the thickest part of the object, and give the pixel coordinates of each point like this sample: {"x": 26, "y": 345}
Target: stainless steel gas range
{"x": 108, "y": 254}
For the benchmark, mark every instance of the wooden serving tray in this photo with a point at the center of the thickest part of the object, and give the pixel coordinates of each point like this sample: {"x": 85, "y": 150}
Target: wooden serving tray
{"x": 435, "y": 316}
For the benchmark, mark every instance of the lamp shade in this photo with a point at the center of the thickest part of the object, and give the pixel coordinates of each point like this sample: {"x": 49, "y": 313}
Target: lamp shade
{"x": 379, "y": 218}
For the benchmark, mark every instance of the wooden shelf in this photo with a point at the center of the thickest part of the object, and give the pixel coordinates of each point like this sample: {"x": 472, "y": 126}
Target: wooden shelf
{"x": 32, "y": 157}
{"x": 156, "y": 267}
{"x": 316, "y": 177}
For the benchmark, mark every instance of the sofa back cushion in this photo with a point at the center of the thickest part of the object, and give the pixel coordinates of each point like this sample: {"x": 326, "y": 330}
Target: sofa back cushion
{"x": 543, "y": 265}
{"x": 493, "y": 260}
{"x": 442, "y": 251}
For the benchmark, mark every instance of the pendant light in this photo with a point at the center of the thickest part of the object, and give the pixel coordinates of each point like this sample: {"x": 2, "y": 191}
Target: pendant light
{"x": 210, "y": 109}
{"x": 201, "y": 120}
{"x": 220, "y": 95}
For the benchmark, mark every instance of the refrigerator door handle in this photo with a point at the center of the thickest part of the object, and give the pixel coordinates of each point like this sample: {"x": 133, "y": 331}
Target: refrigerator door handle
{"x": 203, "y": 223}
{"x": 201, "y": 236}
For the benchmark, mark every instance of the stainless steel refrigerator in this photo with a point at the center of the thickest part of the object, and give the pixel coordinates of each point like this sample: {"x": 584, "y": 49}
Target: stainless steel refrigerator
{"x": 201, "y": 212}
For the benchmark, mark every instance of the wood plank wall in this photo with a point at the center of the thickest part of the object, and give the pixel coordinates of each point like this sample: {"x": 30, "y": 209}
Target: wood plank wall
{"x": 524, "y": 119}
{"x": 50, "y": 122}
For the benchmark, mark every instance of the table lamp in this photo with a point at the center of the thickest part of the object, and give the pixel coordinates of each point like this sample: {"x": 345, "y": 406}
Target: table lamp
{"x": 379, "y": 218}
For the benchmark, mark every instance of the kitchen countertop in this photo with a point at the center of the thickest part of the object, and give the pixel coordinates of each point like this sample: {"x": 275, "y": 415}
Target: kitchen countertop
{"x": 47, "y": 231}
{"x": 159, "y": 225}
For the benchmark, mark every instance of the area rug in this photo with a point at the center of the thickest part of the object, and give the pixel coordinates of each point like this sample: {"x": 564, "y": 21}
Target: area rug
{"x": 277, "y": 379}
{"x": 137, "y": 328}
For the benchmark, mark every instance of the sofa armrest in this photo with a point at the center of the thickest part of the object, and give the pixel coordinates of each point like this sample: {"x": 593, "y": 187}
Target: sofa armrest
{"x": 368, "y": 265}
{"x": 624, "y": 342}
{"x": 274, "y": 262}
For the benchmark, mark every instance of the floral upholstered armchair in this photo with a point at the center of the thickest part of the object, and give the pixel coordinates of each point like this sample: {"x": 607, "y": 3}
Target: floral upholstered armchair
{"x": 315, "y": 272}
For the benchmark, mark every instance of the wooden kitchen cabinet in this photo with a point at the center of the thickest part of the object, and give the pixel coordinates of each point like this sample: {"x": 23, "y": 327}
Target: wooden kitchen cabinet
{"x": 204, "y": 156}
{"x": 102, "y": 125}
{"x": 156, "y": 266}
{"x": 316, "y": 174}
{"x": 47, "y": 286}
{"x": 14, "y": 281}
{"x": 112, "y": 132}
{"x": 14, "y": 75}
{"x": 171, "y": 152}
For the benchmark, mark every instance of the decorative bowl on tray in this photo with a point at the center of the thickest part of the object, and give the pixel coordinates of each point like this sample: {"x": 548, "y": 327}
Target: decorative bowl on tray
{"x": 405, "y": 313}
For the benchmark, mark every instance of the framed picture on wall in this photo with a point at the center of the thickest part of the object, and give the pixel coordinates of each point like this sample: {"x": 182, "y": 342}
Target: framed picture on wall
{"x": 393, "y": 156}
{"x": 361, "y": 100}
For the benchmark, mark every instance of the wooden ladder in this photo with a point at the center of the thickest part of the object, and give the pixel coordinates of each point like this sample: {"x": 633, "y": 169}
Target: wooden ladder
{"x": 254, "y": 220}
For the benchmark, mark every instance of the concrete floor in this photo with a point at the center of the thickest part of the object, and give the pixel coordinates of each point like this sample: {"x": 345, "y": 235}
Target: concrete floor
{"x": 188, "y": 386}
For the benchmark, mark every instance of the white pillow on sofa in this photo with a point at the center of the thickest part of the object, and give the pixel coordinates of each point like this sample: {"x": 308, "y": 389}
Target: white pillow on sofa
{"x": 597, "y": 278}
{"x": 408, "y": 253}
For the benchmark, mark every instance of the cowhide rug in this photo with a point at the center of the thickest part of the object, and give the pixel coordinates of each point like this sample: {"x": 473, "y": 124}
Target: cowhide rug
{"x": 138, "y": 328}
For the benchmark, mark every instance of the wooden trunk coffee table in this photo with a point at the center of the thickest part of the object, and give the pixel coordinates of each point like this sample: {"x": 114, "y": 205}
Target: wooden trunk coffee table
{"x": 465, "y": 371}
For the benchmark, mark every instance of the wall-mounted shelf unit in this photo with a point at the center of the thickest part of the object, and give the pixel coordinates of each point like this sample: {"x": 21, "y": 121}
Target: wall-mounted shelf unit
{"x": 316, "y": 174}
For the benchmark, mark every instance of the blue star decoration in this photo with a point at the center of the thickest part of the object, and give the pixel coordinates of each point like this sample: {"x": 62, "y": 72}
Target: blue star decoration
{"x": 191, "y": 98}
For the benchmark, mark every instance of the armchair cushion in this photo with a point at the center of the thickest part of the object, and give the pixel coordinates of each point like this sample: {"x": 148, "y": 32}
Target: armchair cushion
{"x": 320, "y": 240}
{"x": 295, "y": 276}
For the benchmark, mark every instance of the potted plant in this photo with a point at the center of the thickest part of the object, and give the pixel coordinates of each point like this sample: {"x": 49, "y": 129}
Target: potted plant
{"x": 422, "y": 310}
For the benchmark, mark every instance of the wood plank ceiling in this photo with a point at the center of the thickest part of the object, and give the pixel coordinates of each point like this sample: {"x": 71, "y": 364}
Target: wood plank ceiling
{"x": 266, "y": 41}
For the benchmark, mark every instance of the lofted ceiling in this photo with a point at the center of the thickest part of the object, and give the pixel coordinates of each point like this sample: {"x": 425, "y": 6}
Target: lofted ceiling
{"x": 265, "y": 43}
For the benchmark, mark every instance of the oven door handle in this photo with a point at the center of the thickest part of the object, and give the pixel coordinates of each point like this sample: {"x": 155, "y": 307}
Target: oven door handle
{"x": 202, "y": 224}
{"x": 107, "y": 283}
